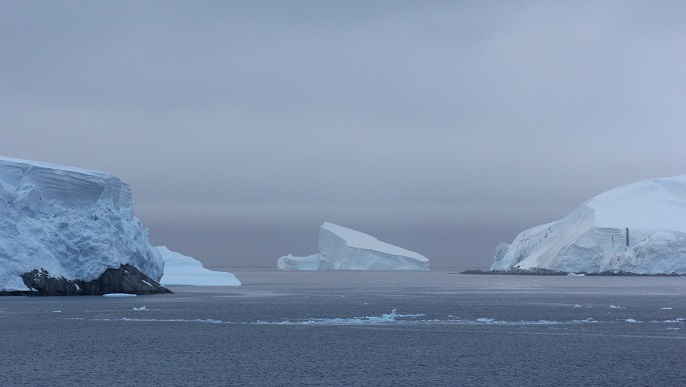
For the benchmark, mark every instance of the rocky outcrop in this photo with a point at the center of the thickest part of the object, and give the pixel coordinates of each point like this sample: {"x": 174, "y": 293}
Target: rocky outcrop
{"x": 125, "y": 279}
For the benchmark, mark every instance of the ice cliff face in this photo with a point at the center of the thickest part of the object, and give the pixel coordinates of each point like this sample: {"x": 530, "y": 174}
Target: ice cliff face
{"x": 637, "y": 228}
{"x": 341, "y": 248}
{"x": 70, "y": 222}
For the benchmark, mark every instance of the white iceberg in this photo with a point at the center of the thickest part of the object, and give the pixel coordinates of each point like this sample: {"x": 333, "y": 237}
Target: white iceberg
{"x": 72, "y": 223}
{"x": 182, "y": 270}
{"x": 341, "y": 248}
{"x": 637, "y": 228}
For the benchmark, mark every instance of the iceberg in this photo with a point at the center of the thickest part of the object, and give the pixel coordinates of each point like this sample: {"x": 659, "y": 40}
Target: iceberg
{"x": 638, "y": 228}
{"x": 70, "y": 231}
{"x": 341, "y": 248}
{"x": 182, "y": 270}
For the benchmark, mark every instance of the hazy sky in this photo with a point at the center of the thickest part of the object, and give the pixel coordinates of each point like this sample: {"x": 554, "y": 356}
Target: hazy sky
{"x": 443, "y": 127}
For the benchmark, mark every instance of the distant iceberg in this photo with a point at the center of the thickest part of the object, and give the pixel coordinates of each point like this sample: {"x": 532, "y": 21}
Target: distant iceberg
{"x": 182, "y": 270}
{"x": 341, "y": 248}
{"x": 637, "y": 228}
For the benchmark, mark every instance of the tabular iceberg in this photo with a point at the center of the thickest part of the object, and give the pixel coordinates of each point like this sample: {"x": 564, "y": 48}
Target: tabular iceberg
{"x": 71, "y": 231}
{"x": 341, "y": 248}
{"x": 637, "y": 228}
{"x": 182, "y": 270}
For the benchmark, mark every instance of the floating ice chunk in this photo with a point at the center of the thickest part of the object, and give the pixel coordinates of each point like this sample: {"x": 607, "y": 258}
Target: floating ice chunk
{"x": 630, "y": 320}
{"x": 666, "y": 308}
{"x": 386, "y": 318}
{"x": 616, "y": 307}
{"x": 588, "y": 320}
{"x": 182, "y": 270}
{"x": 390, "y": 317}
{"x": 141, "y": 308}
{"x": 116, "y": 295}
{"x": 209, "y": 320}
{"x": 576, "y": 275}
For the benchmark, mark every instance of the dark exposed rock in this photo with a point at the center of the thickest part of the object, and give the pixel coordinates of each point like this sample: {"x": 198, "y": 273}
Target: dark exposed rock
{"x": 125, "y": 279}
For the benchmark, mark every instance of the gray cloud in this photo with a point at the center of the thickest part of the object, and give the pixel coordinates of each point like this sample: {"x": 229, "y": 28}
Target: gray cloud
{"x": 444, "y": 127}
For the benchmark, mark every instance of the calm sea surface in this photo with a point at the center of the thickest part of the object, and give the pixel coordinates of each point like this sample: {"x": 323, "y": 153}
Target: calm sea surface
{"x": 338, "y": 328}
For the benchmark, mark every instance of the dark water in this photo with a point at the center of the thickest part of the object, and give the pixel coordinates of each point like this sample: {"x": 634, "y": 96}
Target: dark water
{"x": 290, "y": 328}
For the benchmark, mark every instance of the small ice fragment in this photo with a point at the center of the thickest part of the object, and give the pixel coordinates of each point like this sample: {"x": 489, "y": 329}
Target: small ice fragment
{"x": 666, "y": 308}
{"x": 141, "y": 308}
{"x": 118, "y": 295}
{"x": 56, "y": 311}
{"x": 615, "y": 307}
{"x": 577, "y": 306}
{"x": 630, "y": 320}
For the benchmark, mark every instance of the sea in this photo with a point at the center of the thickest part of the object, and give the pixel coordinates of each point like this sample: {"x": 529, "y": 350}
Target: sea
{"x": 436, "y": 328}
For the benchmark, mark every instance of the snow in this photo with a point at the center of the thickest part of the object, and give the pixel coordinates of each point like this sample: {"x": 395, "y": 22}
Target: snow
{"x": 341, "y": 248}
{"x": 182, "y": 270}
{"x": 72, "y": 222}
{"x": 638, "y": 228}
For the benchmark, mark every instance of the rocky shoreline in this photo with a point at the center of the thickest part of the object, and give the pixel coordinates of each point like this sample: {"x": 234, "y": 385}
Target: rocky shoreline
{"x": 125, "y": 279}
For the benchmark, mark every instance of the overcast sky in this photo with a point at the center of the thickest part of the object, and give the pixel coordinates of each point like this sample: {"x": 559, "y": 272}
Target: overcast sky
{"x": 443, "y": 127}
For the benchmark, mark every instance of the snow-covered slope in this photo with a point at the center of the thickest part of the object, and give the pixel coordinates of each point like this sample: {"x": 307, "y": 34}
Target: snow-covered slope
{"x": 182, "y": 270}
{"x": 638, "y": 228}
{"x": 72, "y": 222}
{"x": 341, "y": 248}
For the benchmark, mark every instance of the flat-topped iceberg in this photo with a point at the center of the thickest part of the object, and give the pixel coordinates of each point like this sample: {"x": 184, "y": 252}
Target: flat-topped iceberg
{"x": 341, "y": 248}
{"x": 182, "y": 270}
{"x": 68, "y": 231}
{"x": 637, "y": 228}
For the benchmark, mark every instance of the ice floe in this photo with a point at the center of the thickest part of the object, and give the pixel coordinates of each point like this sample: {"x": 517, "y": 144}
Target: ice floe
{"x": 116, "y": 295}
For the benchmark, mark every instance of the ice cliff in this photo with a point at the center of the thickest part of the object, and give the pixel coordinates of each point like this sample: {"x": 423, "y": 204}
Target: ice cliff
{"x": 341, "y": 248}
{"x": 637, "y": 228}
{"x": 68, "y": 224}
